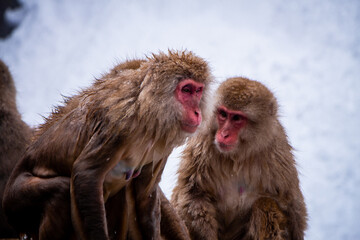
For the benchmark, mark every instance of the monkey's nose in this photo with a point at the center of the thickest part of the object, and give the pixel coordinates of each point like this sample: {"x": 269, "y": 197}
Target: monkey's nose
{"x": 224, "y": 134}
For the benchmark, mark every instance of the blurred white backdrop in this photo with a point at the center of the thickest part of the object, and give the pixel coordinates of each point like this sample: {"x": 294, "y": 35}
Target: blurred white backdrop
{"x": 307, "y": 52}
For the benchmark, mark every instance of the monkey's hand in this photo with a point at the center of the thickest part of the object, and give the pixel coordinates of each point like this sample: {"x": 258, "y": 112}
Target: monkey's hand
{"x": 267, "y": 221}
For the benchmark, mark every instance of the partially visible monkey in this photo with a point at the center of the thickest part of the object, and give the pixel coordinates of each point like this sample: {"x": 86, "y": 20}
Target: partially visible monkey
{"x": 14, "y": 137}
{"x": 237, "y": 178}
{"x": 106, "y": 149}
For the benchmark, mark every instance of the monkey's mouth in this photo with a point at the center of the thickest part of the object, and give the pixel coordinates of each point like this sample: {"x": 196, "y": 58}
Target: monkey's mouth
{"x": 225, "y": 147}
{"x": 190, "y": 128}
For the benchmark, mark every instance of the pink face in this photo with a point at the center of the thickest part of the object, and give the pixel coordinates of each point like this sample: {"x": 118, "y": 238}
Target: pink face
{"x": 189, "y": 93}
{"x": 230, "y": 123}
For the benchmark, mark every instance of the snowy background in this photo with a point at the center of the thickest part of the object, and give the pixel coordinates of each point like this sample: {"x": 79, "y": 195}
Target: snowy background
{"x": 307, "y": 52}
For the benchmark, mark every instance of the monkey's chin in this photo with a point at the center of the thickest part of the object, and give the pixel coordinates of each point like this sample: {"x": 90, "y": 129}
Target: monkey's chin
{"x": 189, "y": 128}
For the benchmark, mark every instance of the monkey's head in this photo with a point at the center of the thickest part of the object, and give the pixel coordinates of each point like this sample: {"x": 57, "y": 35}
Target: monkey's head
{"x": 246, "y": 114}
{"x": 176, "y": 85}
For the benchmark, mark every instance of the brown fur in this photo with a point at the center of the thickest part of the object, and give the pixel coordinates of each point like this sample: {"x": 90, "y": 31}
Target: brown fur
{"x": 250, "y": 193}
{"x": 127, "y": 119}
{"x": 172, "y": 226}
{"x": 14, "y": 137}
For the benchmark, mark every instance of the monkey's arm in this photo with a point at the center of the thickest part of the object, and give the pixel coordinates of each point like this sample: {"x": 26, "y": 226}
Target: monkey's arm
{"x": 87, "y": 202}
{"x": 172, "y": 227}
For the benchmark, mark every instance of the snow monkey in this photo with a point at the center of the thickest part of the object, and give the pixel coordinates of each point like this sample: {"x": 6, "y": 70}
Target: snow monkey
{"x": 14, "y": 137}
{"x": 237, "y": 178}
{"x": 97, "y": 160}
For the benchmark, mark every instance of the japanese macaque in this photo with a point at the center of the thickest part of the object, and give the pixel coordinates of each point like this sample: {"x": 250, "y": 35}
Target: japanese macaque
{"x": 237, "y": 178}
{"x": 105, "y": 149}
{"x": 14, "y": 136}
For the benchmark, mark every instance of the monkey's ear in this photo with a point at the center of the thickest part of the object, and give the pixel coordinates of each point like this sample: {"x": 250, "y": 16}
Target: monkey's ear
{"x": 273, "y": 107}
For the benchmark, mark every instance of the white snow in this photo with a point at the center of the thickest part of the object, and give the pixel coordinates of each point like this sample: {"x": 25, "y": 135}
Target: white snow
{"x": 307, "y": 52}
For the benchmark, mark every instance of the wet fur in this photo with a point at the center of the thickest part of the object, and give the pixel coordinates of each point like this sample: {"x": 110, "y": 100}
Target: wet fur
{"x": 128, "y": 115}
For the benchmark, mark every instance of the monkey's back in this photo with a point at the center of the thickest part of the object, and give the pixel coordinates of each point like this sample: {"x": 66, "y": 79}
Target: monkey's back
{"x": 65, "y": 133}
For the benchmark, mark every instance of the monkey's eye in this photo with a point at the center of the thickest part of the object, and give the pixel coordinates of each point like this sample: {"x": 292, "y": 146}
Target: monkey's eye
{"x": 237, "y": 118}
{"x": 186, "y": 89}
{"x": 199, "y": 90}
{"x": 222, "y": 114}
